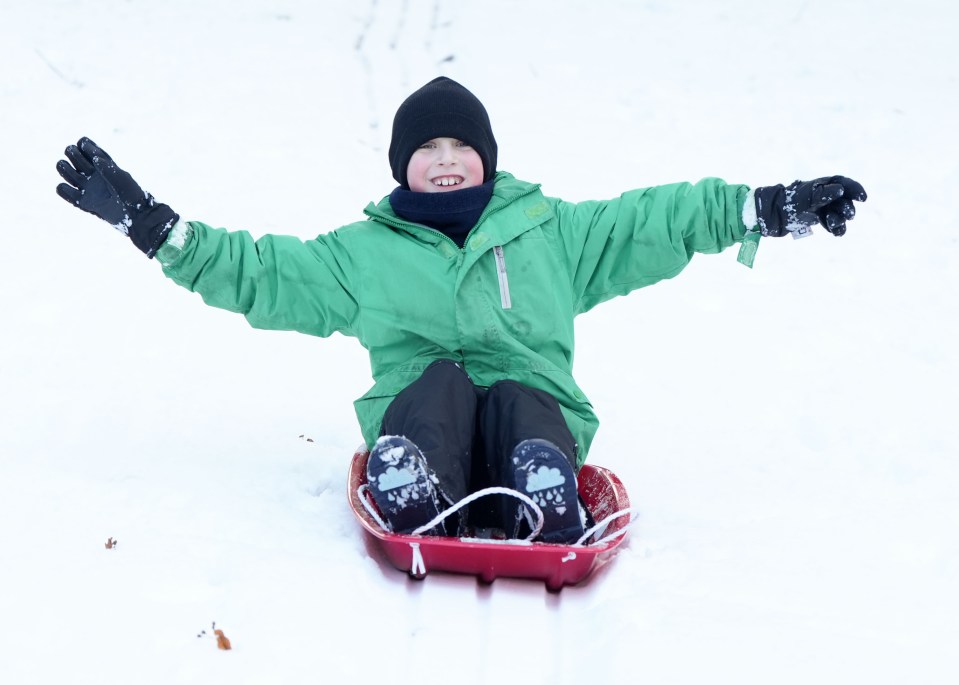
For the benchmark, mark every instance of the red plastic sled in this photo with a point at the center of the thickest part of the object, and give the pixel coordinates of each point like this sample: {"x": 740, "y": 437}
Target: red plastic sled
{"x": 556, "y": 565}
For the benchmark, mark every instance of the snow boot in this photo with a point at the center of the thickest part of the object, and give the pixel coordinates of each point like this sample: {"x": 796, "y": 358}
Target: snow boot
{"x": 542, "y": 471}
{"x": 402, "y": 485}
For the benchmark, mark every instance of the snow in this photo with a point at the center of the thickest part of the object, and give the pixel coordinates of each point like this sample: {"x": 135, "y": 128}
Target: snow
{"x": 788, "y": 432}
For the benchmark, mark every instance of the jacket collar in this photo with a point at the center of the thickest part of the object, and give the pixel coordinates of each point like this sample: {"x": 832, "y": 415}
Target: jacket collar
{"x": 453, "y": 214}
{"x": 522, "y": 200}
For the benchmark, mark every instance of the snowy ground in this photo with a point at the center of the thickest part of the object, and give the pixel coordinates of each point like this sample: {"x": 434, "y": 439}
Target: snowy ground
{"x": 789, "y": 433}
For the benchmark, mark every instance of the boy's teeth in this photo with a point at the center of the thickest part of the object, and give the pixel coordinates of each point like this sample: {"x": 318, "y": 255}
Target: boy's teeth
{"x": 446, "y": 181}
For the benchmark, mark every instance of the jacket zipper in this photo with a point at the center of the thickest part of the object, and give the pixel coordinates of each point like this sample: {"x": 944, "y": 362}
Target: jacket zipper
{"x": 501, "y": 274}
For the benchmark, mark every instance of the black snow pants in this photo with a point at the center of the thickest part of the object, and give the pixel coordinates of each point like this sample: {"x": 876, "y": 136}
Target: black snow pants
{"x": 467, "y": 433}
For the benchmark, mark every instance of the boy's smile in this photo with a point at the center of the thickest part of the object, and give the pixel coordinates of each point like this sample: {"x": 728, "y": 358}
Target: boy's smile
{"x": 444, "y": 164}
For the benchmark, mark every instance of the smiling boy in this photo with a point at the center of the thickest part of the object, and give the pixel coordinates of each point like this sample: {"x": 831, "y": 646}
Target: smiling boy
{"x": 463, "y": 285}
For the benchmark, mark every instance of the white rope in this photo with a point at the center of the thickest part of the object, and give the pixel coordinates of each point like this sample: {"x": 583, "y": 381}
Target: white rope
{"x": 482, "y": 493}
{"x": 604, "y": 523}
{"x": 529, "y": 518}
{"x": 370, "y": 509}
{"x": 361, "y": 491}
{"x": 417, "y": 566}
{"x": 601, "y": 526}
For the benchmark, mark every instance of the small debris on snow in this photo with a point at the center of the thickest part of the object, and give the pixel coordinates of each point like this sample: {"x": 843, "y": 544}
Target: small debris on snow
{"x": 222, "y": 641}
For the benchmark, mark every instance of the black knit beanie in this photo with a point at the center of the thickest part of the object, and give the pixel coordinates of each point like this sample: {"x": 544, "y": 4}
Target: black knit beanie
{"x": 441, "y": 109}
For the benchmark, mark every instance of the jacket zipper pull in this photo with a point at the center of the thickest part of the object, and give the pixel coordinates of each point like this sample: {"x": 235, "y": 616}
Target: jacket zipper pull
{"x": 503, "y": 281}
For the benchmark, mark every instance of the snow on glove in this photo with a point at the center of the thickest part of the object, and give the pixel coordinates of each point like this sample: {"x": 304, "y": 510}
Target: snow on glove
{"x": 95, "y": 184}
{"x": 794, "y": 209}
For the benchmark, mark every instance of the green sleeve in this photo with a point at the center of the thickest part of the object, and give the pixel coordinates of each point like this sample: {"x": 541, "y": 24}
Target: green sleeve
{"x": 646, "y": 235}
{"x": 276, "y": 282}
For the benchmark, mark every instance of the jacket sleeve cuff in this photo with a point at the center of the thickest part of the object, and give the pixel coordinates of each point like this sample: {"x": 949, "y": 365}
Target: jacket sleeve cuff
{"x": 750, "y": 219}
{"x": 172, "y": 247}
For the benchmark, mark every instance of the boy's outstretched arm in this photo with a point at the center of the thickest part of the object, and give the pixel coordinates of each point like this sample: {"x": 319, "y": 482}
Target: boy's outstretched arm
{"x": 277, "y": 282}
{"x": 650, "y": 234}
{"x": 95, "y": 184}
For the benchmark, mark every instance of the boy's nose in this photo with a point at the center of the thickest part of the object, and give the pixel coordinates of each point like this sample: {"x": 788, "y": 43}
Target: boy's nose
{"x": 447, "y": 154}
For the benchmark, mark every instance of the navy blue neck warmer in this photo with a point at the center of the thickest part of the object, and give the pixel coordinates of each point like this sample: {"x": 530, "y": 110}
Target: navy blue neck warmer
{"x": 452, "y": 213}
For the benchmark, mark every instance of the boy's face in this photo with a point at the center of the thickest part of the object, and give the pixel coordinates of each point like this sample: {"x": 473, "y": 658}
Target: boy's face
{"x": 444, "y": 164}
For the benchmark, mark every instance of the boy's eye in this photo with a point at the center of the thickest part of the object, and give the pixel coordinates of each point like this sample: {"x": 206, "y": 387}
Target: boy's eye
{"x": 431, "y": 145}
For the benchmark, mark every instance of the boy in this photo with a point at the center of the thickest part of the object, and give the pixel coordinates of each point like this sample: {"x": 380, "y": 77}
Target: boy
{"x": 463, "y": 284}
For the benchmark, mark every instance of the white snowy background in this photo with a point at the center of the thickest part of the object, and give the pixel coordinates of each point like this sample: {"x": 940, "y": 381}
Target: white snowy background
{"x": 789, "y": 433}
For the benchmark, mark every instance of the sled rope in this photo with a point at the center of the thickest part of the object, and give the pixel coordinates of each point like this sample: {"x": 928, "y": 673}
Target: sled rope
{"x": 482, "y": 493}
{"x": 537, "y": 527}
{"x": 417, "y": 566}
{"x": 601, "y": 526}
{"x": 370, "y": 509}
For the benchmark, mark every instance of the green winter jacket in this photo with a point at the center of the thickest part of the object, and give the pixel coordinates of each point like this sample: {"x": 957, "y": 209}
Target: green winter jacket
{"x": 503, "y": 305}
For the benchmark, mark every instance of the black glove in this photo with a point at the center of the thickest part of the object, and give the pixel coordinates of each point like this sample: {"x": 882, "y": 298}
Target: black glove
{"x": 95, "y": 184}
{"x": 801, "y": 204}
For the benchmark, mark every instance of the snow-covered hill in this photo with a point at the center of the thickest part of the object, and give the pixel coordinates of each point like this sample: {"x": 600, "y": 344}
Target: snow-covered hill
{"x": 789, "y": 432}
